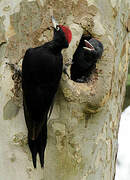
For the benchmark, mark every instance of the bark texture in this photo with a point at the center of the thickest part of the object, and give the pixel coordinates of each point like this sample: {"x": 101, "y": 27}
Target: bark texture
{"x": 83, "y": 129}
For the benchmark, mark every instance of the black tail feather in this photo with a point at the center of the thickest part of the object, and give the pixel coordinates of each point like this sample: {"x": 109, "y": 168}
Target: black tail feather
{"x": 38, "y": 146}
{"x": 34, "y": 158}
{"x": 41, "y": 156}
{"x": 33, "y": 148}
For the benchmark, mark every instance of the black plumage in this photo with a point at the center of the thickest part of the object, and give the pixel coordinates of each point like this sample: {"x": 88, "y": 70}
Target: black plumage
{"x": 41, "y": 73}
{"x": 85, "y": 57}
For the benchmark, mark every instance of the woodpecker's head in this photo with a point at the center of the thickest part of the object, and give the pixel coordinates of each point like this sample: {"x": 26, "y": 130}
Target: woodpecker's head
{"x": 93, "y": 46}
{"x": 62, "y": 34}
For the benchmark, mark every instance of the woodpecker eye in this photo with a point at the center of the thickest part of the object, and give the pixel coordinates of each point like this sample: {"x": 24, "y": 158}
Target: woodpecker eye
{"x": 57, "y": 28}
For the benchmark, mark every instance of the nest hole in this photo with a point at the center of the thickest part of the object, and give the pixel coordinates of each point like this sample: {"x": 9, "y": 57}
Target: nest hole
{"x": 85, "y": 58}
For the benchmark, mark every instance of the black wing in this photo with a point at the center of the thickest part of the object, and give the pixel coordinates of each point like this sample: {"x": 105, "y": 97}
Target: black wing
{"x": 38, "y": 92}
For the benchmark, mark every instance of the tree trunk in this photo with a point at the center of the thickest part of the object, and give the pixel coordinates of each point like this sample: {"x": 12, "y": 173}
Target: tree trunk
{"x": 83, "y": 128}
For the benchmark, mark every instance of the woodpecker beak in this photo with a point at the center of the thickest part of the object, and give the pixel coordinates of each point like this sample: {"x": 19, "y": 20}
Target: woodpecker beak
{"x": 88, "y": 46}
{"x": 54, "y": 22}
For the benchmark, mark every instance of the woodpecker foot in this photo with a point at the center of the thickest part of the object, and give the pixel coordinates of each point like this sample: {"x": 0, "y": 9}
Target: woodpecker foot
{"x": 66, "y": 65}
{"x": 17, "y": 72}
{"x": 65, "y": 71}
{"x": 69, "y": 62}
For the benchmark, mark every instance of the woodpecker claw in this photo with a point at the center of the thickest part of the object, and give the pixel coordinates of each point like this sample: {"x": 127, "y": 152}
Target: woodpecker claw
{"x": 65, "y": 71}
{"x": 15, "y": 68}
{"x": 68, "y": 63}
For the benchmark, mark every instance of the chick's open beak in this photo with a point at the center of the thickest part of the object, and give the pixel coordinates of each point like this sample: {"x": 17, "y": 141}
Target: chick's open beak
{"x": 88, "y": 46}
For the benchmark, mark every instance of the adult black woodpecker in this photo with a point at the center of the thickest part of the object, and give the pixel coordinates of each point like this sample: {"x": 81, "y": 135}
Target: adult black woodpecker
{"x": 41, "y": 73}
{"x": 85, "y": 57}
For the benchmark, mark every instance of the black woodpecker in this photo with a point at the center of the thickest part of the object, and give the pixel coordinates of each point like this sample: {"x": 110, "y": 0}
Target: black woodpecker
{"x": 41, "y": 74}
{"x": 85, "y": 57}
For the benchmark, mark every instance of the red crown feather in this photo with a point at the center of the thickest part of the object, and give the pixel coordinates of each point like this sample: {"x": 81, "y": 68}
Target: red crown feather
{"x": 67, "y": 32}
